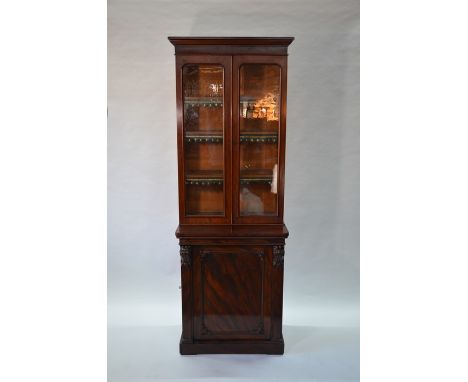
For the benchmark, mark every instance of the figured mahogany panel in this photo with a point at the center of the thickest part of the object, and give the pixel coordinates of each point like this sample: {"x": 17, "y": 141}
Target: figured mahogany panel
{"x": 232, "y": 289}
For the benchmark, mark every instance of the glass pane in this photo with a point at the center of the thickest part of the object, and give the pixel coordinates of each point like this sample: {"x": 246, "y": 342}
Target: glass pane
{"x": 203, "y": 139}
{"x": 259, "y": 126}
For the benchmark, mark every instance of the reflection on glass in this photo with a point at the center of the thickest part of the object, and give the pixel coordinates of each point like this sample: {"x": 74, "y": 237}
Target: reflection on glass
{"x": 259, "y": 110}
{"x": 203, "y": 139}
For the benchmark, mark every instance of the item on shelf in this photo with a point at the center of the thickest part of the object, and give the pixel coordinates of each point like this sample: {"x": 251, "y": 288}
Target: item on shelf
{"x": 274, "y": 181}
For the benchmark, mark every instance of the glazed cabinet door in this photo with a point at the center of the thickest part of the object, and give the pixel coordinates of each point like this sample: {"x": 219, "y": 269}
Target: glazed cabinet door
{"x": 204, "y": 138}
{"x": 232, "y": 292}
{"x": 259, "y": 127}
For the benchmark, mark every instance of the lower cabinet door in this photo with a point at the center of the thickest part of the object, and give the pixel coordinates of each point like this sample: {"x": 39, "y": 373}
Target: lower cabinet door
{"x": 232, "y": 292}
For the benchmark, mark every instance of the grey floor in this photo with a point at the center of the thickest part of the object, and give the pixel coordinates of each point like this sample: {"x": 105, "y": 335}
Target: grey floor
{"x": 138, "y": 353}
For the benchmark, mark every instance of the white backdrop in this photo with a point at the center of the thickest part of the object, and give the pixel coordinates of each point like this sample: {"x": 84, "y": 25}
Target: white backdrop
{"x": 321, "y": 291}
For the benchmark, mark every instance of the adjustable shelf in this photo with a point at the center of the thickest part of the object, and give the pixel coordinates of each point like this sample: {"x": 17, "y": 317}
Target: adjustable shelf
{"x": 204, "y": 178}
{"x": 204, "y": 101}
{"x": 204, "y": 136}
{"x": 217, "y": 137}
{"x": 257, "y": 176}
{"x": 259, "y": 137}
{"x": 212, "y": 178}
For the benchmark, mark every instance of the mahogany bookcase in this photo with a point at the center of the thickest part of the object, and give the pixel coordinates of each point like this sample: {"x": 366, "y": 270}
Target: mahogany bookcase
{"x": 231, "y": 136}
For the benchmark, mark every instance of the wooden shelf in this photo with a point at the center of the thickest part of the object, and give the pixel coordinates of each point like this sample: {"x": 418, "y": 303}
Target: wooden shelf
{"x": 204, "y": 101}
{"x": 212, "y": 213}
{"x": 204, "y": 178}
{"x": 251, "y": 176}
{"x": 215, "y": 136}
{"x": 213, "y": 178}
{"x": 259, "y": 137}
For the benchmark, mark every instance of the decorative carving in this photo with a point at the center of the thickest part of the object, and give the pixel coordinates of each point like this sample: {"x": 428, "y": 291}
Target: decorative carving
{"x": 185, "y": 258}
{"x": 278, "y": 255}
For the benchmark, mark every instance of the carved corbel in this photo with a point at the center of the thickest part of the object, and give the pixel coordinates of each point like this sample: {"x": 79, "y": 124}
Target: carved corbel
{"x": 278, "y": 255}
{"x": 185, "y": 258}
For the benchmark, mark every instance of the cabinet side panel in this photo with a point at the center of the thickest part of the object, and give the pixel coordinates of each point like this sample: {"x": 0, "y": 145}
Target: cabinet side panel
{"x": 186, "y": 284}
{"x": 277, "y": 292}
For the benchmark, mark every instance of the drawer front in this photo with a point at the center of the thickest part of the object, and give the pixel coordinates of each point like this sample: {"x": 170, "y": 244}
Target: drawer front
{"x": 232, "y": 292}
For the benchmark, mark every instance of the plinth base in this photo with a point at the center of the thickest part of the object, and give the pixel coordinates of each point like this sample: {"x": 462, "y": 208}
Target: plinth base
{"x": 232, "y": 347}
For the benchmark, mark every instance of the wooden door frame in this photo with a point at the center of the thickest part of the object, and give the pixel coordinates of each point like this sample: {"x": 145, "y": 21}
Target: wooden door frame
{"x": 226, "y": 62}
{"x": 238, "y": 61}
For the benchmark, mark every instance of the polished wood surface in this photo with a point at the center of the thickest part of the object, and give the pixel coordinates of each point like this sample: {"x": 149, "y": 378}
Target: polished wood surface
{"x": 231, "y": 45}
{"x": 232, "y": 230}
{"x": 231, "y": 254}
{"x": 232, "y": 292}
{"x": 256, "y": 42}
